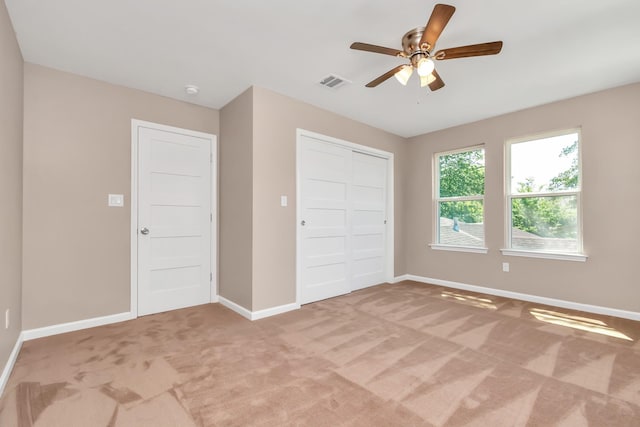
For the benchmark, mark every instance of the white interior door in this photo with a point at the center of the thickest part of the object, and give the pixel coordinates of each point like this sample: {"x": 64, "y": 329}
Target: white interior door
{"x": 174, "y": 220}
{"x": 368, "y": 224}
{"x": 325, "y": 176}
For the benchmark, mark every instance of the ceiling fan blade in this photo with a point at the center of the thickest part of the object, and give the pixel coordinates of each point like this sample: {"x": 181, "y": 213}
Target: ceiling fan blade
{"x": 438, "y": 20}
{"x": 385, "y": 76}
{"x": 481, "y": 49}
{"x": 437, "y": 83}
{"x": 376, "y": 49}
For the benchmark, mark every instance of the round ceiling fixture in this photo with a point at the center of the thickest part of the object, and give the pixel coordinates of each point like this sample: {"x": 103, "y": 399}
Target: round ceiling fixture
{"x": 191, "y": 89}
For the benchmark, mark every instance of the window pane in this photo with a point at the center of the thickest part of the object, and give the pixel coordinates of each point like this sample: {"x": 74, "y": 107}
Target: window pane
{"x": 461, "y": 223}
{"x": 462, "y": 174}
{"x": 549, "y": 164}
{"x": 545, "y": 223}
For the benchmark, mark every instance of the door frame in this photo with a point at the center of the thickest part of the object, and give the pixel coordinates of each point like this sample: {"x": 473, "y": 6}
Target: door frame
{"x": 390, "y": 244}
{"x": 135, "y": 126}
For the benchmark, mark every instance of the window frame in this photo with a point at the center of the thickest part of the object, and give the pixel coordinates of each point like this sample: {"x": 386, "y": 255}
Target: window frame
{"x": 436, "y": 245}
{"x": 509, "y": 196}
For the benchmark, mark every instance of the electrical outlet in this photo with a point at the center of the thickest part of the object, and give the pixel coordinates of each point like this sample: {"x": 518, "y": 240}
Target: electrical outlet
{"x": 505, "y": 267}
{"x": 6, "y": 319}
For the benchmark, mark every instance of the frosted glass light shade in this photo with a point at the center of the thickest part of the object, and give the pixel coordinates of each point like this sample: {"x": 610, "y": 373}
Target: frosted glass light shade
{"x": 425, "y": 67}
{"x": 403, "y": 75}
{"x": 427, "y": 80}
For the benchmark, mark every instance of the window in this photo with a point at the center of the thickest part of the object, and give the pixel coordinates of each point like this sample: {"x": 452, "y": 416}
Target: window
{"x": 459, "y": 200}
{"x": 543, "y": 195}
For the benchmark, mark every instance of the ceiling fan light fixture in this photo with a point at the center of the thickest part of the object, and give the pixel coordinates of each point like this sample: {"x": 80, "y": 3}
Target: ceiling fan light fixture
{"x": 425, "y": 67}
{"x": 417, "y": 47}
{"x": 403, "y": 75}
{"x": 427, "y": 80}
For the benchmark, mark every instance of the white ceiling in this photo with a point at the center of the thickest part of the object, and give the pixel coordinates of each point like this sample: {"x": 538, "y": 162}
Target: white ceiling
{"x": 553, "y": 49}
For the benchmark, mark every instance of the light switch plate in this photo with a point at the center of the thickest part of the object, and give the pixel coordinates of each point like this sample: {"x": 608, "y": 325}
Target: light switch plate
{"x": 283, "y": 201}
{"x": 116, "y": 200}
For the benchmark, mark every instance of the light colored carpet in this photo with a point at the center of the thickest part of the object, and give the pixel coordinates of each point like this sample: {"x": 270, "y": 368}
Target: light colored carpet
{"x": 393, "y": 355}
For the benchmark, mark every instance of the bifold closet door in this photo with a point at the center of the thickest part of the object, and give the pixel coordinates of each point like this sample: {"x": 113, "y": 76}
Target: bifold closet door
{"x": 325, "y": 176}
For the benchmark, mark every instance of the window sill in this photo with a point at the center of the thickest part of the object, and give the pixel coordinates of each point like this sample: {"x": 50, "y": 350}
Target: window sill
{"x": 471, "y": 249}
{"x": 546, "y": 255}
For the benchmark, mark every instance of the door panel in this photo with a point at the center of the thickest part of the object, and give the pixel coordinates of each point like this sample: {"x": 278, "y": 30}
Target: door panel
{"x": 174, "y": 204}
{"x": 325, "y": 175}
{"x": 369, "y": 220}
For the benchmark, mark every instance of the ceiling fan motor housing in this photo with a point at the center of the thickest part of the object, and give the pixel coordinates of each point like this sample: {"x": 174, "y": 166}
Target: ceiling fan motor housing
{"x": 411, "y": 42}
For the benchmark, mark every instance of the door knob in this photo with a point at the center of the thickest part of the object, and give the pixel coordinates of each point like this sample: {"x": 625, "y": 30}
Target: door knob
{"x": 144, "y": 231}
{"x": 303, "y": 222}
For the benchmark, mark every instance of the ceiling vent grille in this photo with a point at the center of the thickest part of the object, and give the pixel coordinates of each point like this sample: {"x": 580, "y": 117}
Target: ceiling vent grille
{"x": 333, "y": 81}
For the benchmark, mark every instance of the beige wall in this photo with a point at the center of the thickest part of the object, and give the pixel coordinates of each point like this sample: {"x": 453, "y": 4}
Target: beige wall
{"x": 610, "y": 152}
{"x": 77, "y": 149}
{"x": 11, "y": 85}
{"x": 276, "y": 118}
{"x": 236, "y": 190}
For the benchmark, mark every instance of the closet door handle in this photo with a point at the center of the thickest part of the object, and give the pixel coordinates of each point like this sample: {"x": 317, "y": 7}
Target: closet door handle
{"x": 303, "y": 223}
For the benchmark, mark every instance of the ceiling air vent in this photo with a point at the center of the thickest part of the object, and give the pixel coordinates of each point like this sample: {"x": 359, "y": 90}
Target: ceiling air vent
{"x": 333, "y": 81}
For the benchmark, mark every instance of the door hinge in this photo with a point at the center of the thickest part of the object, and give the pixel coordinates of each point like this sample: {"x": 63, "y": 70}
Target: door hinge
{"x": 211, "y": 157}
{"x": 211, "y": 277}
{"x": 385, "y": 221}
{"x": 211, "y": 217}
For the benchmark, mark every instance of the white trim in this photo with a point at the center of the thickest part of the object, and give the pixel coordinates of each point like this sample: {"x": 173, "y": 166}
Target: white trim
{"x": 342, "y": 143}
{"x": 471, "y": 249}
{"x": 135, "y": 125}
{"x": 215, "y": 298}
{"x": 133, "y": 308}
{"x": 436, "y": 199}
{"x": 31, "y": 334}
{"x": 547, "y": 194}
{"x": 268, "y": 312}
{"x": 214, "y": 220}
{"x": 401, "y": 278}
{"x": 235, "y": 307}
{"x": 8, "y": 367}
{"x": 260, "y": 314}
{"x": 509, "y": 196}
{"x": 545, "y": 135}
{"x": 632, "y": 315}
{"x": 390, "y": 208}
{"x": 545, "y": 255}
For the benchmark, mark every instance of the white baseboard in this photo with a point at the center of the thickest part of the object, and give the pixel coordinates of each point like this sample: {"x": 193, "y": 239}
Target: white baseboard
{"x": 8, "y": 367}
{"x": 31, "y": 334}
{"x": 268, "y": 312}
{"x": 260, "y": 314}
{"x": 607, "y": 311}
{"x": 215, "y": 298}
{"x": 400, "y": 279}
{"x": 235, "y": 307}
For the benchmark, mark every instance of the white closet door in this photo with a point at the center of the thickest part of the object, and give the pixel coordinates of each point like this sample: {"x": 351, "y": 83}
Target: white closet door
{"x": 325, "y": 176}
{"x": 368, "y": 224}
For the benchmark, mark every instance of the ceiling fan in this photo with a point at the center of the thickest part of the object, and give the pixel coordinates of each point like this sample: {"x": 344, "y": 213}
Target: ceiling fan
{"x": 418, "y": 47}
